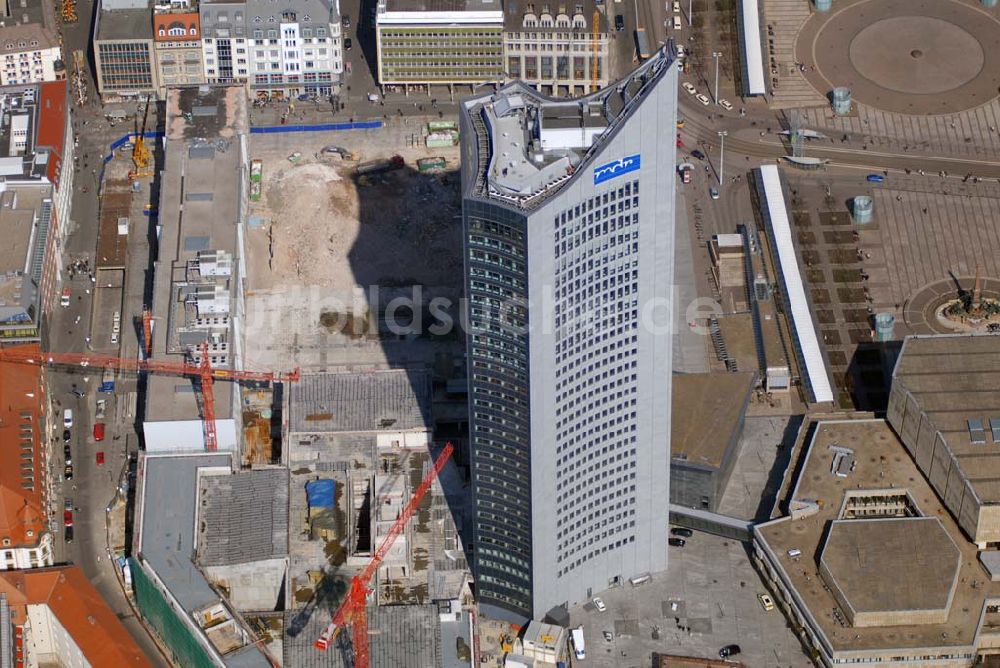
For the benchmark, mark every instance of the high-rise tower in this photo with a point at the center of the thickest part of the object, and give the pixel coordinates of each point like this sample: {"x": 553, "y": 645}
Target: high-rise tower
{"x": 568, "y": 208}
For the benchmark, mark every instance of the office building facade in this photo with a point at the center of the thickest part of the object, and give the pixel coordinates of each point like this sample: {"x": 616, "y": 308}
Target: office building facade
{"x": 458, "y": 44}
{"x": 559, "y": 49}
{"x": 568, "y": 209}
{"x": 124, "y": 54}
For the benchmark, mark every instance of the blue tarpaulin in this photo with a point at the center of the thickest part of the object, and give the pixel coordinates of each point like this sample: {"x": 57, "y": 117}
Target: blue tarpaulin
{"x": 320, "y": 493}
{"x": 325, "y": 127}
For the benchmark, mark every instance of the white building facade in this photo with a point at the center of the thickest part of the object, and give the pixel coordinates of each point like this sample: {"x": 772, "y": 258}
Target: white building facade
{"x": 295, "y": 49}
{"x": 29, "y": 53}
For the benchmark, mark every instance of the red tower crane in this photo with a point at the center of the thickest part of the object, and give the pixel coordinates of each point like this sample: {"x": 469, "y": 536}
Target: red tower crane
{"x": 202, "y": 372}
{"x": 353, "y": 611}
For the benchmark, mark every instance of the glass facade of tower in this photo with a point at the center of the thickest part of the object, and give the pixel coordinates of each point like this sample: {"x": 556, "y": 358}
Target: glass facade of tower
{"x": 498, "y": 362}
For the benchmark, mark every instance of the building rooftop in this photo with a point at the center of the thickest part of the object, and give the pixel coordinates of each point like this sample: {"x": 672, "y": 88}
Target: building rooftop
{"x": 401, "y": 636}
{"x": 168, "y": 520}
{"x": 184, "y": 24}
{"x": 310, "y": 13}
{"x": 79, "y": 609}
{"x": 124, "y": 24}
{"x": 955, "y": 379}
{"x": 243, "y": 517}
{"x": 527, "y": 146}
{"x": 514, "y": 14}
{"x": 439, "y": 6}
{"x": 197, "y": 270}
{"x": 396, "y": 400}
{"x": 707, "y": 407}
{"x": 21, "y": 477}
{"x": 26, "y": 37}
{"x": 897, "y": 565}
{"x": 168, "y": 524}
{"x": 878, "y": 466}
{"x": 25, "y": 215}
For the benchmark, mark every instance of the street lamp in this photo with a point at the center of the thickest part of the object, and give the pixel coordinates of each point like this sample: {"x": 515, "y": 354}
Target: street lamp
{"x": 716, "y": 55}
{"x": 722, "y": 147}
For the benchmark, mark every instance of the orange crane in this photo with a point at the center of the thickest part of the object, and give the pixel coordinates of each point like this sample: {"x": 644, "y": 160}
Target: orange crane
{"x": 202, "y": 372}
{"x": 353, "y": 611}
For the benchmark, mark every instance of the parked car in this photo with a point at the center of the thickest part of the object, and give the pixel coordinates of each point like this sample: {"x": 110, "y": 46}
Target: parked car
{"x": 68, "y": 503}
{"x": 725, "y": 104}
{"x": 619, "y": 22}
{"x": 685, "y": 176}
{"x": 682, "y": 532}
{"x": 599, "y": 604}
{"x": 677, "y": 542}
{"x": 68, "y": 472}
{"x": 875, "y": 178}
{"x": 64, "y": 299}
{"x": 766, "y": 602}
{"x": 608, "y": 636}
{"x": 98, "y": 431}
{"x": 68, "y": 518}
{"x": 697, "y": 154}
{"x": 713, "y": 192}
{"x": 729, "y": 650}
{"x": 689, "y": 88}
{"x": 68, "y": 418}
{"x": 68, "y": 534}
{"x": 67, "y": 436}
{"x": 102, "y": 407}
{"x": 67, "y": 453}
{"x": 348, "y": 44}
{"x": 345, "y": 21}
{"x": 100, "y": 458}
{"x": 701, "y": 97}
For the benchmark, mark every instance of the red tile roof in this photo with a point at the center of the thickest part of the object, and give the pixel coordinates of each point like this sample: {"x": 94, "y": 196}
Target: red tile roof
{"x": 80, "y": 610}
{"x": 21, "y": 399}
{"x": 188, "y": 22}
{"x": 52, "y": 112}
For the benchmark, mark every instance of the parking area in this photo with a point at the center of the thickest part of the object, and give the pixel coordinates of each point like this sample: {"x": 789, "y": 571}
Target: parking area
{"x": 706, "y": 600}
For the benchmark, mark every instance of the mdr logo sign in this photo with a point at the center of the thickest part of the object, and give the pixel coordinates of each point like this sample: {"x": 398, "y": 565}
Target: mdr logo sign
{"x": 611, "y": 170}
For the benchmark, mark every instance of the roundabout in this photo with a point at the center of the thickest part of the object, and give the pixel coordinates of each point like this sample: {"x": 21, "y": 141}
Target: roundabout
{"x": 906, "y": 56}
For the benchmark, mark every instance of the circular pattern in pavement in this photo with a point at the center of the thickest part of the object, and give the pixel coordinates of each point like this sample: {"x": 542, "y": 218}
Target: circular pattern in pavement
{"x": 916, "y": 54}
{"x": 908, "y": 56}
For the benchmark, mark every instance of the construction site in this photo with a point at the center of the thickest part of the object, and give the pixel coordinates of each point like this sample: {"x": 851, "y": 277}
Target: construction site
{"x": 321, "y": 272}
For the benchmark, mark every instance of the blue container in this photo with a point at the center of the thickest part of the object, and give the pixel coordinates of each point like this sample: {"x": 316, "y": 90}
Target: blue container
{"x": 823, "y": 5}
{"x": 320, "y": 493}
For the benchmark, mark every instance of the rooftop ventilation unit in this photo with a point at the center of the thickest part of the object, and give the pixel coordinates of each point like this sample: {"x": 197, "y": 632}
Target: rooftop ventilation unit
{"x": 215, "y": 263}
{"x": 977, "y": 436}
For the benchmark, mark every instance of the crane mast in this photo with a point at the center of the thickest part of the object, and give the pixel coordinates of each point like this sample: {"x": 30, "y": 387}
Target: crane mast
{"x": 353, "y": 611}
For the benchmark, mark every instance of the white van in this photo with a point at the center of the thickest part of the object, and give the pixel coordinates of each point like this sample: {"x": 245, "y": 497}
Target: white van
{"x": 579, "y": 648}
{"x": 68, "y": 418}
{"x": 677, "y": 22}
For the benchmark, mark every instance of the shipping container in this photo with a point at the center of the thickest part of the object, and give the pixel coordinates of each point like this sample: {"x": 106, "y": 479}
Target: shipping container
{"x": 431, "y": 164}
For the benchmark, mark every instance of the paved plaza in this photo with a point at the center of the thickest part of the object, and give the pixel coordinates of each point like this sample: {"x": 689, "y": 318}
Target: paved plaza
{"x": 908, "y": 56}
{"x": 707, "y": 599}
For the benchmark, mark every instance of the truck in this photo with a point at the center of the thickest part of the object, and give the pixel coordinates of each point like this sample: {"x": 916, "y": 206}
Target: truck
{"x": 579, "y": 646}
{"x": 642, "y": 44}
{"x": 108, "y": 381}
{"x": 379, "y": 166}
